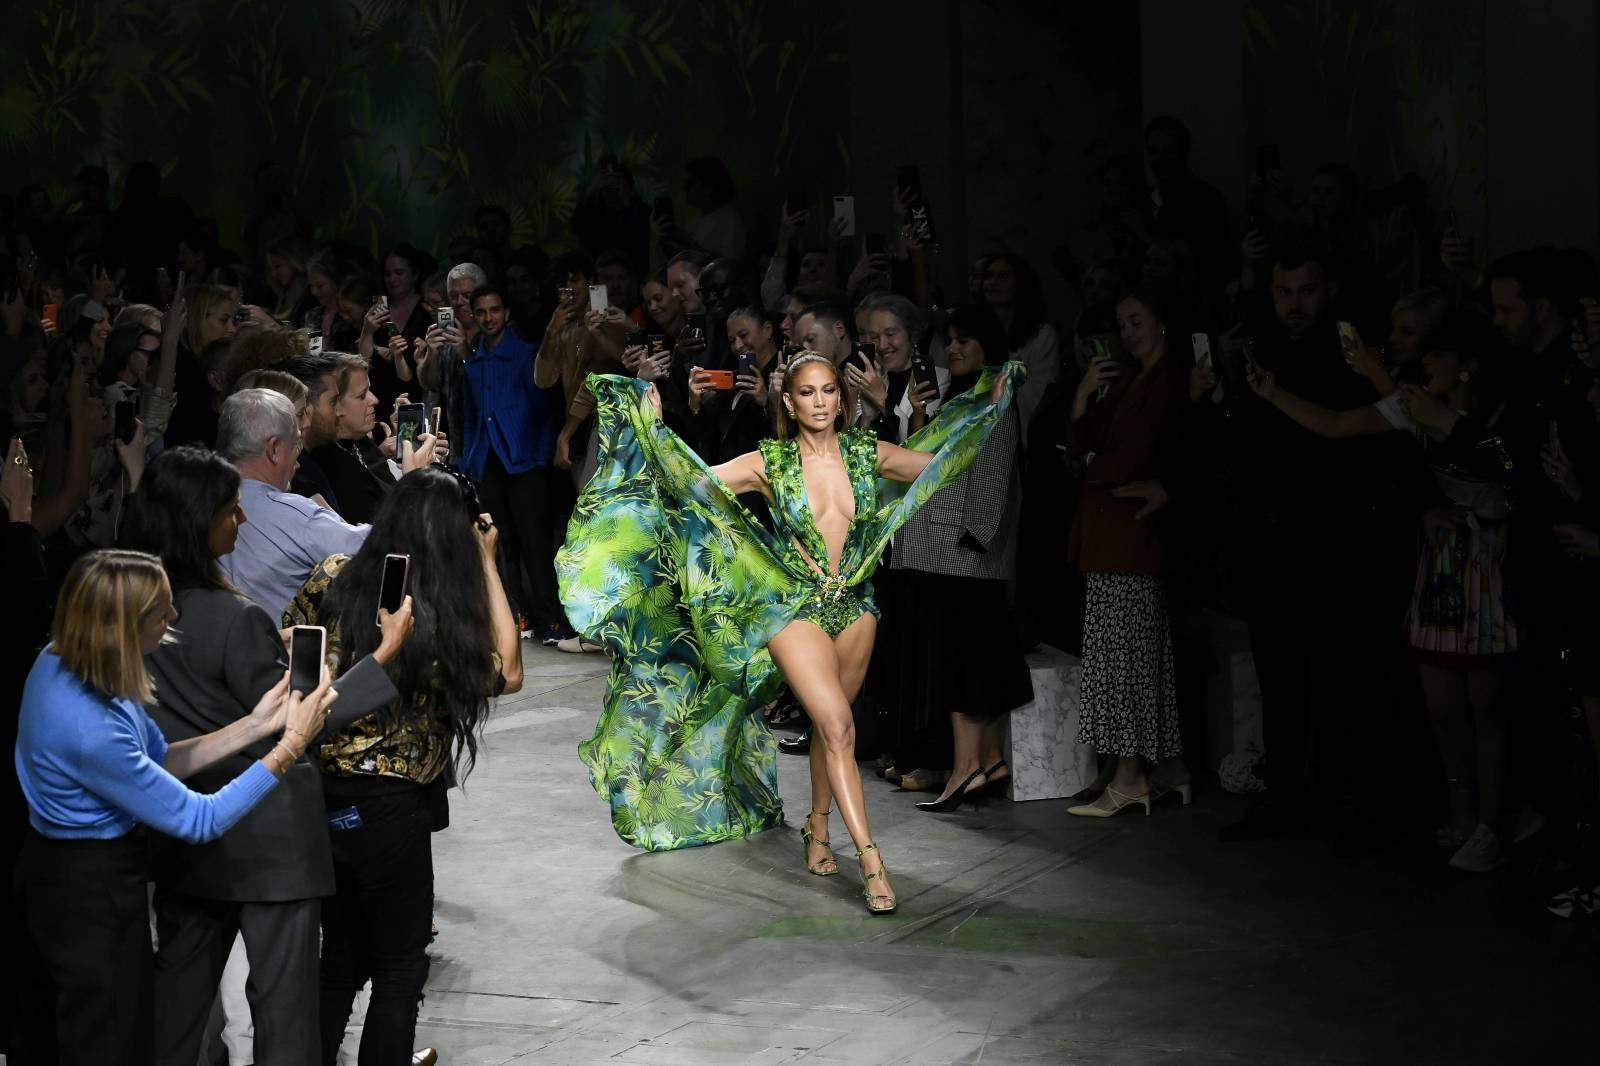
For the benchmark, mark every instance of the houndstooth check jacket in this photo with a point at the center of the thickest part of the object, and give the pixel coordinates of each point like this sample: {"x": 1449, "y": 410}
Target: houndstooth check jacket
{"x": 969, "y": 527}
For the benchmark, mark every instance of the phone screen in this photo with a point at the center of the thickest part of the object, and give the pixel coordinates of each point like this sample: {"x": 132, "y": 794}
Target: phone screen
{"x": 410, "y": 422}
{"x": 747, "y": 365}
{"x": 599, "y": 298}
{"x": 845, "y": 207}
{"x": 1201, "y": 344}
{"x": 122, "y": 424}
{"x": 305, "y": 658}
{"x": 396, "y": 575}
{"x": 446, "y": 317}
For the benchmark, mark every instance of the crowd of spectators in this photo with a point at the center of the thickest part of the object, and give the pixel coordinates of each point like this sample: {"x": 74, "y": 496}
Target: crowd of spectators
{"x": 1389, "y": 489}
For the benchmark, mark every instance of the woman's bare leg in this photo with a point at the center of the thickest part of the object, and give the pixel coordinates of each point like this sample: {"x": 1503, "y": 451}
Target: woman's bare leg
{"x": 821, "y": 804}
{"x": 968, "y": 735}
{"x": 824, "y": 675}
{"x": 1445, "y": 693}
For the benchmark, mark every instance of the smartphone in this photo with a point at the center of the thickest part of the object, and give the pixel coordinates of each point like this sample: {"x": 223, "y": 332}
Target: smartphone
{"x": 1348, "y": 337}
{"x": 795, "y": 201}
{"x": 845, "y": 207}
{"x": 567, "y": 295}
{"x": 410, "y": 422}
{"x": 306, "y": 653}
{"x": 747, "y": 365}
{"x": 396, "y": 583}
{"x": 599, "y": 298}
{"x": 1267, "y": 159}
{"x": 1201, "y": 345}
{"x": 638, "y": 338}
{"x": 867, "y": 351}
{"x": 661, "y": 208}
{"x": 122, "y": 420}
{"x": 696, "y": 325}
{"x": 657, "y": 343}
{"x": 718, "y": 380}
{"x": 446, "y": 317}
{"x": 875, "y": 243}
{"x": 921, "y": 218}
{"x": 183, "y": 283}
{"x": 1100, "y": 351}
{"x": 922, "y": 371}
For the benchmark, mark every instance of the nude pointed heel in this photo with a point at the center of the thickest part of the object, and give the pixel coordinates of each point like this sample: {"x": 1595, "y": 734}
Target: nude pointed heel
{"x": 1120, "y": 801}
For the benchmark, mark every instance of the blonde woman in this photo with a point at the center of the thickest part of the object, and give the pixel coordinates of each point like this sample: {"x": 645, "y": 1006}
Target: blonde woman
{"x": 96, "y": 771}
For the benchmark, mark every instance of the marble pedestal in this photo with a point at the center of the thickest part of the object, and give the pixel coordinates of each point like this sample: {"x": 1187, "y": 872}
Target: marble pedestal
{"x": 1047, "y": 762}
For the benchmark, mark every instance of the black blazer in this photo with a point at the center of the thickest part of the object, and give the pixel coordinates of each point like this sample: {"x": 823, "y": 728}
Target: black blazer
{"x": 225, "y": 654}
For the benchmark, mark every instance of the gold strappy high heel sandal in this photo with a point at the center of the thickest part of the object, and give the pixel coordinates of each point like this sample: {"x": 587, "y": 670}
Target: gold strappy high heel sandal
{"x": 877, "y": 903}
{"x": 823, "y": 867}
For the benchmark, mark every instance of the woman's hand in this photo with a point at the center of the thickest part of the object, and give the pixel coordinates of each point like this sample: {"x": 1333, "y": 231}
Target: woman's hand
{"x": 653, "y": 394}
{"x": 869, "y": 384}
{"x": 1151, "y": 491}
{"x": 1363, "y": 359}
{"x": 259, "y": 315}
{"x": 788, "y": 225}
{"x": 16, "y": 483}
{"x": 176, "y": 318}
{"x": 631, "y": 356}
{"x": 775, "y": 379}
{"x": 699, "y": 385}
{"x": 377, "y": 317}
{"x": 131, "y": 454}
{"x": 868, "y": 266}
{"x": 1558, "y": 468}
{"x": 563, "y": 453}
{"x": 654, "y": 367}
{"x": 754, "y": 386}
{"x": 1202, "y": 379}
{"x": 1577, "y": 540}
{"x": 1262, "y": 382}
{"x": 999, "y": 389}
{"x": 923, "y": 394}
{"x": 306, "y": 715}
{"x": 1426, "y": 409}
{"x": 488, "y": 538}
{"x": 415, "y": 456}
{"x": 1101, "y": 373}
{"x": 396, "y": 627}
{"x": 271, "y": 711}
{"x": 594, "y": 322}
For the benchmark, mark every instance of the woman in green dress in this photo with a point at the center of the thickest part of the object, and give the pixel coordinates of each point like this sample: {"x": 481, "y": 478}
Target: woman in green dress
{"x": 706, "y": 613}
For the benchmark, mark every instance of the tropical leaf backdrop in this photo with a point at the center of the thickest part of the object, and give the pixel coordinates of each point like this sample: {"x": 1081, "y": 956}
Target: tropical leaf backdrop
{"x": 1387, "y": 89}
{"x": 396, "y": 118}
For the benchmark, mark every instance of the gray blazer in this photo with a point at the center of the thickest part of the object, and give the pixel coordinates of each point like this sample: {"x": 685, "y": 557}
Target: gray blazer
{"x": 969, "y": 527}
{"x": 225, "y": 655}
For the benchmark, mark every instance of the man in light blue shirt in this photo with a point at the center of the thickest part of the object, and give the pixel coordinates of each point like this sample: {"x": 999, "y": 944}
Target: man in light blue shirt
{"x": 285, "y": 535}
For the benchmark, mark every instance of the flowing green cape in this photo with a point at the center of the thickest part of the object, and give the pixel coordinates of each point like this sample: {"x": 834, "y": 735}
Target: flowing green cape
{"x": 684, "y": 587}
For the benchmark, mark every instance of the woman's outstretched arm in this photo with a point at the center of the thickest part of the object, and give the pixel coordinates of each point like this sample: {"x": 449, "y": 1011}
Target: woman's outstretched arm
{"x": 747, "y": 473}
{"x": 901, "y": 464}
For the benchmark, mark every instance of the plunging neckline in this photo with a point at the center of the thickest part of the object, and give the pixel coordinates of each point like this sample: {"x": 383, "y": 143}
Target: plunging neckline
{"x": 831, "y": 570}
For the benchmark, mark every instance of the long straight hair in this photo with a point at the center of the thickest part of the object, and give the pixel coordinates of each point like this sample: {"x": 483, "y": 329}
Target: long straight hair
{"x": 449, "y": 659}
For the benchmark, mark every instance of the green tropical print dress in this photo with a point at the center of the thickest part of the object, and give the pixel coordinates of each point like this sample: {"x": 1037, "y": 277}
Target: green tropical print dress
{"x": 684, "y": 587}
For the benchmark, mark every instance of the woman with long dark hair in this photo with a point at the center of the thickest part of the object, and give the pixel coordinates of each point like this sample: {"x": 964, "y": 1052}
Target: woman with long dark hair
{"x": 96, "y": 772}
{"x": 378, "y": 773}
{"x": 1010, "y": 287}
{"x": 228, "y": 653}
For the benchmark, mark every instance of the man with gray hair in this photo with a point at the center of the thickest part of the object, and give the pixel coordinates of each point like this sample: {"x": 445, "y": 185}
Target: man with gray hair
{"x": 441, "y": 359}
{"x": 285, "y": 535}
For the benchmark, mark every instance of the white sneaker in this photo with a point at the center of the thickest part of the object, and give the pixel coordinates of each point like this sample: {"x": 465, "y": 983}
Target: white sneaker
{"x": 578, "y": 645}
{"x": 1481, "y": 853}
{"x": 1575, "y": 902}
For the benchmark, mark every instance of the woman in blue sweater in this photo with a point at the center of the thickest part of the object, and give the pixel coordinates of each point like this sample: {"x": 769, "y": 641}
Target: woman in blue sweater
{"x": 95, "y": 770}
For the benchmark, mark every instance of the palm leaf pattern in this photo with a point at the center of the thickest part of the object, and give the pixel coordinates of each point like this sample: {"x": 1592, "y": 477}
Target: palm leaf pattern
{"x": 684, "y": 588}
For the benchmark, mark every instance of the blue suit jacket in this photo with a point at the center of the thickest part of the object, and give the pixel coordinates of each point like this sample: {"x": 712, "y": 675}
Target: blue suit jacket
{"x": 504, "y": 410}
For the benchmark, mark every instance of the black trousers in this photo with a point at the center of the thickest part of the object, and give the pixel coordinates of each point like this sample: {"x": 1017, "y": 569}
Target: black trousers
{"x": 377, "y": 925}
{"x": 523, "y": 506}
{"x": 1324, "y": 635}
{"x": 85, "y": 968}
{"x": 280, "y": 940}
